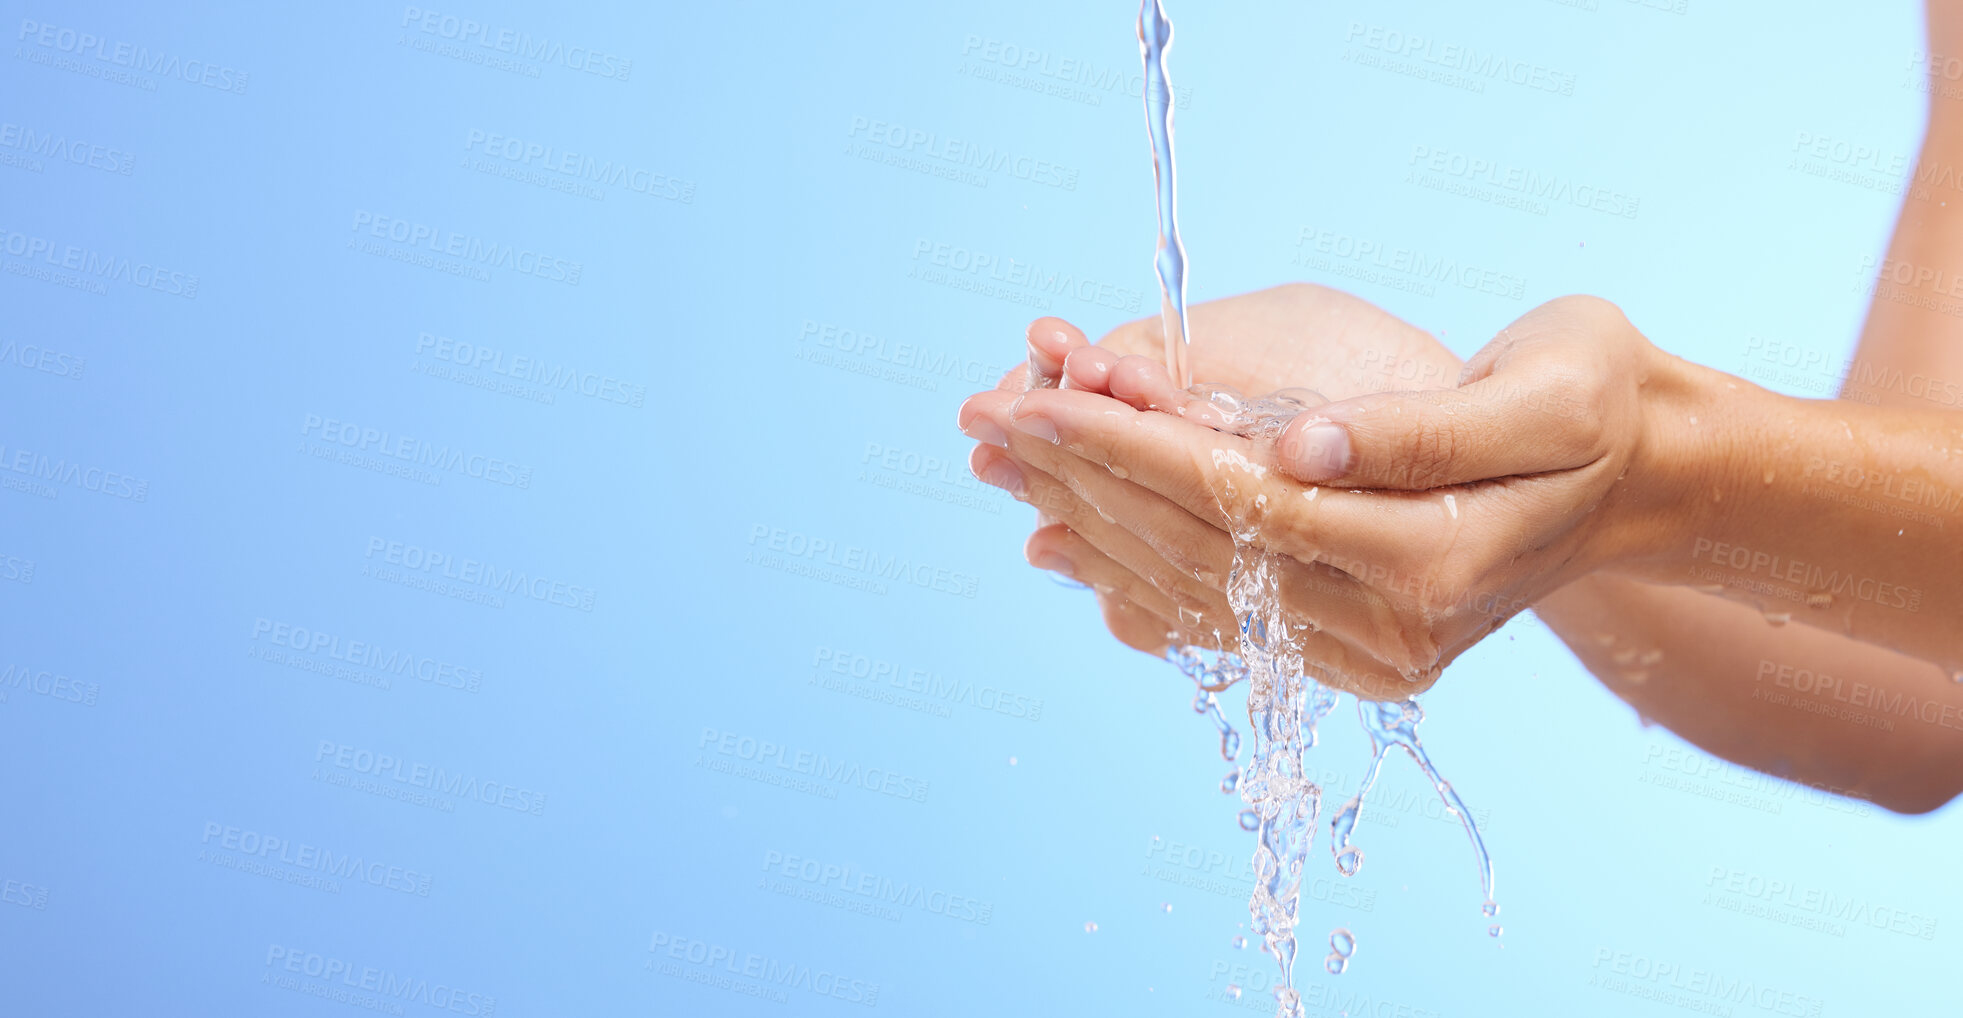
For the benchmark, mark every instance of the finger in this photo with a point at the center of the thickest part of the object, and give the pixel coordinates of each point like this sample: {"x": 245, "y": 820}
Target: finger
{"x": 1229, "y": 482}
{"x": 1525, "y": 408}
{"x": 1329, "y": 598}
{"x": 1050, "y": 341}
{"x": 1191, "y": 561}
{"x": 1330, "y": 660}
{"x": 1191, "y": 599}
{"x": 1144, "y": 383}
{"x": 980, "y": 416}
{"x": 1061, "y": 550}
{"x": 1089, "y": 368}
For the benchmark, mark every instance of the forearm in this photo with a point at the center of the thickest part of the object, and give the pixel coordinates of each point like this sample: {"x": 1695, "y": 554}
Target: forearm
{"x": 1830, "y": 513}
{"x": 1795, "y": 701}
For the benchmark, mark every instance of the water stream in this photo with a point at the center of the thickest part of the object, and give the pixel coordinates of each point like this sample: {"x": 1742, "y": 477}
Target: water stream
{"x": 1285, "y": 702}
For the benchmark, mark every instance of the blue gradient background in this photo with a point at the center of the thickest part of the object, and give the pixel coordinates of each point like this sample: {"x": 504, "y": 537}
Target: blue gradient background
{"x": 1606, "y": 834}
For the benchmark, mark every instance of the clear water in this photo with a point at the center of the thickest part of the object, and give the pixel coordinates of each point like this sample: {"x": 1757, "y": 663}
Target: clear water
{"x": 1284, "y": 703}
{"x": 1154, "y": 40}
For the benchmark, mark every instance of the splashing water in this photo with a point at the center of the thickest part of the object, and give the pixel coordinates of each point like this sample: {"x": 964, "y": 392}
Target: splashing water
{"x": 1285, "y": 704}
{"x": 1154, "y": 39}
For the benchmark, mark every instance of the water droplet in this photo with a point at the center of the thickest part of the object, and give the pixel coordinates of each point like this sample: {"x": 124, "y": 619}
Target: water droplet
{"x": 1349, "y": 860}
{"x": 1342, "y": 941}
{"x": 1102, "y": 515}
{"x": 1233, "y": 992}
{"x": 1249, "y": 821}
{"x": 1452, "y": 506}
{"x": 1490, "y": 909}
{"x": 1229, "y": 782}
{"x": 1240, "y": 943}
{"x": 1335, "y": 963}
{"x": 1769, "y": 475}
{"x": 1090, "y": 927}
{"x": 1166, "y": 908}
{"x": 1493, "y": 930}
{"x": 1119, "y": 472}
{"x": 1778, "y": 618}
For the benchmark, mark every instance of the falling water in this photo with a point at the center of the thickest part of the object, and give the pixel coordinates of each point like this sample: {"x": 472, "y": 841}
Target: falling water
{"x": 1154, "y": 39}
{"x": 1284, "y": 702}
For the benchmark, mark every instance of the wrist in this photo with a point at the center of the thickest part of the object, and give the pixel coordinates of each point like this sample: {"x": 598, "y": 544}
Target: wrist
{"x": 1679, "y": 477}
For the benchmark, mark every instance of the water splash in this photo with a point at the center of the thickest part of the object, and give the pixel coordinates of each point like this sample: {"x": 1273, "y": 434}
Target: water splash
{"x": 1154, "y": 39}
{"x": 1342, "y": 944}
{"x": 1285, "y": 704}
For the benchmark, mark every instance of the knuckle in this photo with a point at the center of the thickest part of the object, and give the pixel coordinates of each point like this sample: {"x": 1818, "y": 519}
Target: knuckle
{"x": 1434, "y": 444}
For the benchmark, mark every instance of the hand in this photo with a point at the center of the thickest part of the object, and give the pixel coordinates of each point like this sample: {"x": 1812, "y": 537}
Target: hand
{"x": 1292, "y": 336}
{"x": 1550, "y": 417}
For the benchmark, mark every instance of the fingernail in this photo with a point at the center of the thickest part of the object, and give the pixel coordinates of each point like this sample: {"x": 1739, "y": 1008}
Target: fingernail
{"x": 981, "y": 429}
{"x": 1052, "y": 562}
{"x": 1003, "y": 474}
{"x": 1319, "y": 452}
{"x": 1035, "y": 425}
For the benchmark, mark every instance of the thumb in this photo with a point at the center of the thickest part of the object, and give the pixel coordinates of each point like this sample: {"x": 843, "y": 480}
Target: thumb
{"x": 1512, "y": 421}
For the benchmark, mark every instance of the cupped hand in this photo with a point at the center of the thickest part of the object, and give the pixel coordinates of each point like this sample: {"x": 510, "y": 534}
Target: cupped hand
{"x": 1159, "y": 570}
{"x": 1488, "y": 495}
